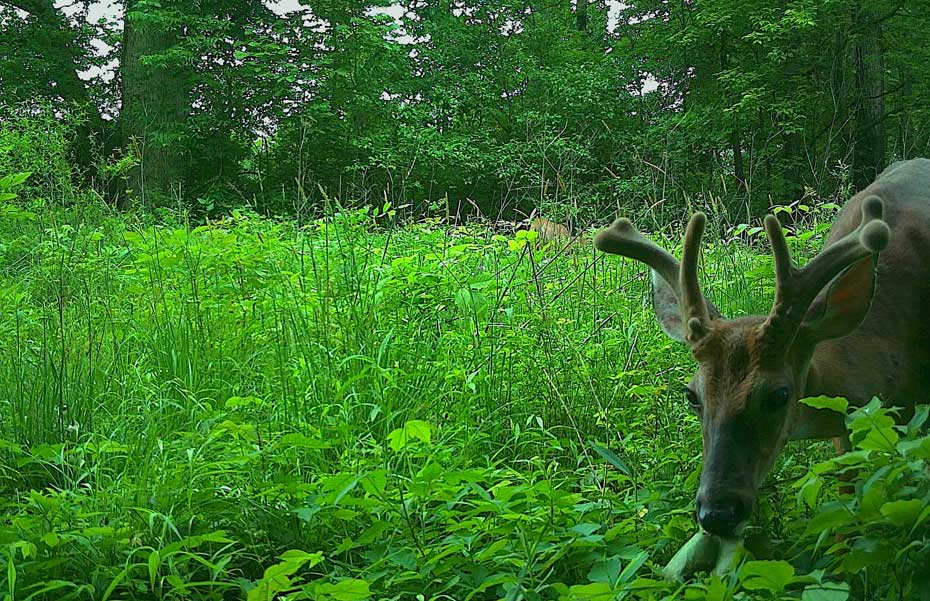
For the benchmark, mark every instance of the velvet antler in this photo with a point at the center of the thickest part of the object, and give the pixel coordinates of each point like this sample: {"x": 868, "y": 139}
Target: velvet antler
{"x": 796, "y": 289}
{"x": 621, "y": 238}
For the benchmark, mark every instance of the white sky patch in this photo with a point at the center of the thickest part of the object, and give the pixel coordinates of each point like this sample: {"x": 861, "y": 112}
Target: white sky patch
{"x": 111, "y": 10}
{"x": 613, "y": 14}
{"x": 284, "y": 7}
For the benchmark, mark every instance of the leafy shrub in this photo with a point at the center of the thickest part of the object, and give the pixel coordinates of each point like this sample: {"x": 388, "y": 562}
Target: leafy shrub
{"x": 884, "y": 524}
{"x": 34, "y": 140}
{"x": 348, "y": 410}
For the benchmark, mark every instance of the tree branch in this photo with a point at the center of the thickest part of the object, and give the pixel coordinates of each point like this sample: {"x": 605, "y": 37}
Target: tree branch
{"x": 33, "y": 7}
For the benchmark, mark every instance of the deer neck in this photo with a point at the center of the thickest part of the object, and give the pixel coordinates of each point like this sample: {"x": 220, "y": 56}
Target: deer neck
{"x": 819, "y": 423}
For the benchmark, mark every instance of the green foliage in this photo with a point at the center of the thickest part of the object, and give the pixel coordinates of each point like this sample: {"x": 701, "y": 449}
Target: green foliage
{"x": 34, "y": 140}
{"x": 885, "y": 522}
{"x": 341, "y": 408}
{"x": 340, "y": 411}
{"x": 495, "y": 108}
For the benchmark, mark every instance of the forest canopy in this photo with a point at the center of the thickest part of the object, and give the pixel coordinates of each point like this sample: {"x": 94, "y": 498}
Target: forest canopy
{"x": 475, "y": 108}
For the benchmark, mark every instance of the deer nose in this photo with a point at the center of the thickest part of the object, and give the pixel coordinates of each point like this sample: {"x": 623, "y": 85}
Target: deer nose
{"x": 722, "y": 516}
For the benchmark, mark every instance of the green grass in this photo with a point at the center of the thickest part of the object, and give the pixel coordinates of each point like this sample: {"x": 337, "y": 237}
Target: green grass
{"x": 343, "y": 411}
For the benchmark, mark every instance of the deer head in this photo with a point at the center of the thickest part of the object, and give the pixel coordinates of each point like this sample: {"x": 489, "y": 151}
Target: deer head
{"x": 752, "y": 370}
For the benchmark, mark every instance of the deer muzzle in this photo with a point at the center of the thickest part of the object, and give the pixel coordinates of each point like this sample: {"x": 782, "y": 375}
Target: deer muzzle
{"x": 722, "y": 515}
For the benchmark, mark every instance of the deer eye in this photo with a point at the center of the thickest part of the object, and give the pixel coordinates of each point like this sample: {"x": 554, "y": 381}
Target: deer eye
{"x": 693, "y": 401}
{"x": 779, "y": 398}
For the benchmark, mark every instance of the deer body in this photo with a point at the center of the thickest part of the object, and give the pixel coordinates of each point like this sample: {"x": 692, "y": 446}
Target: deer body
{"x": 852, "y": 323}
{"x": 549, "y": 231}
{"x": 888, "y": 355}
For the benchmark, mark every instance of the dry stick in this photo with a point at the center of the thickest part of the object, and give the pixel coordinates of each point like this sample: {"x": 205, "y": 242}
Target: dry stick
{"x": 409, "y": 520}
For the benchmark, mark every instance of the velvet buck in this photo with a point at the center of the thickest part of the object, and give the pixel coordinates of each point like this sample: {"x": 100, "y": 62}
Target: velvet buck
{"x": 851, "y": 323}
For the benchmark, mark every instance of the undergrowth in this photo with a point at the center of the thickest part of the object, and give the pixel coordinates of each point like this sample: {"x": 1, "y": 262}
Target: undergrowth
{"x": 250, "y": 409}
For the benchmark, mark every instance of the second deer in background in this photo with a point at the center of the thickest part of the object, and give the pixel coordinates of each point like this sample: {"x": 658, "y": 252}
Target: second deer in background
{"x": 550, "y": 231}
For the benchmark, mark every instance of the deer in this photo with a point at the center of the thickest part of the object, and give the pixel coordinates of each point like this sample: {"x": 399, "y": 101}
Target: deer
{"x": 853, "y": 322}
{"x": 550, "y": 231}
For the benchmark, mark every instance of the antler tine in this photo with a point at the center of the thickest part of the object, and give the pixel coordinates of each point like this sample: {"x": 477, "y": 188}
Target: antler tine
{"x": 869, "y": 238}
{"x": 693, "y": 307}
{"x": 621, "y": 238}
{"x": 784, "y": 266}
{"x": 796, "y": 289}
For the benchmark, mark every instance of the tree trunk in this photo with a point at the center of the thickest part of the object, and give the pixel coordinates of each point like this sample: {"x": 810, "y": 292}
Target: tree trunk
{"x": 581, "y": 15}
{"x": 736, "y": 142}
{"x": 869, "y": 150}
{"x": 793, "y": 165}
{"x": 155, "y": 102}
{"x": 736, "y": 146}
{"x": 904, "y": 120}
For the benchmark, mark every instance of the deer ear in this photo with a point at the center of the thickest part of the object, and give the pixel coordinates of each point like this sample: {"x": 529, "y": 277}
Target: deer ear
{"x": 665, "y": 304}
{"x": 843, "y": 304}
{"x": 666, "y": 307}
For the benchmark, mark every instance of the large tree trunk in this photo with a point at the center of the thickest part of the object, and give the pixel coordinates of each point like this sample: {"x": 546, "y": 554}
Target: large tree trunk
{"x": 869, "y": 150}
{"x": 736, "y": 140}
{"x": 155, "y": 103}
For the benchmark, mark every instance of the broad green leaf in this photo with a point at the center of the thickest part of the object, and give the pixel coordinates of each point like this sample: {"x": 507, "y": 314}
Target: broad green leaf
{"x": 598, "y": 591}
{"x": 880, "y": 439}
{"x": 829, "y": 517}
{"x": 605, "y": 570}
{"x": 771, "y": 576}
{"x": 375, "y": 482}
{"x": 235, "y": 402}
{"x": 277, "y": 578}
{"x": 418, "y": 429}
{"x": 349, "y": 590}
{"x": 611, "y": 458}
{"x": 631, "y": 568}
{"x": 296, "y": 439}
{"x": 464, "y": 300}
{"x": 828, "y": 591}
{"x": 922, "y": 518}
{"x": 585, "y": 529}
{"x": 869, "y": 416}
{"x": 306, "y": 514}
{"x": 397, "y": 439}
{"x": 413, "y": 430}
{"x": 13, "y": 180}
{"x": 838, "y": 404}
{"x": 921, "y": 414}
{"x": 873, "y": 428}
{"x": 810, "y": 490}
{"x": 916, "y": 448}
{"x": 296, "y": 555}
{"x": 903, "y": 513}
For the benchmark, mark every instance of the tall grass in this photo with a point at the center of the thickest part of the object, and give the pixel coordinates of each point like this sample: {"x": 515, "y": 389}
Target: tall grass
{"x": 423, "y": 406}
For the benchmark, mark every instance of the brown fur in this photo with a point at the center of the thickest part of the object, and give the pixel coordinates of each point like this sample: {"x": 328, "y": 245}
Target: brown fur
{"x": 550, "y": 232}
{"x": 744, "y": 362}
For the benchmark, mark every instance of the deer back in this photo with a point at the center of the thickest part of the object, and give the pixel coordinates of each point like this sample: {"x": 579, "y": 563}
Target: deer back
{"x": 888, "y": 355}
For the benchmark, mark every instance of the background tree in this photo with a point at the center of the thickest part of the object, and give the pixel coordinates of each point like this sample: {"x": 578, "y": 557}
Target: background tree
{"x": 42, "y": 55}
{"x": 491, "y": 108}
